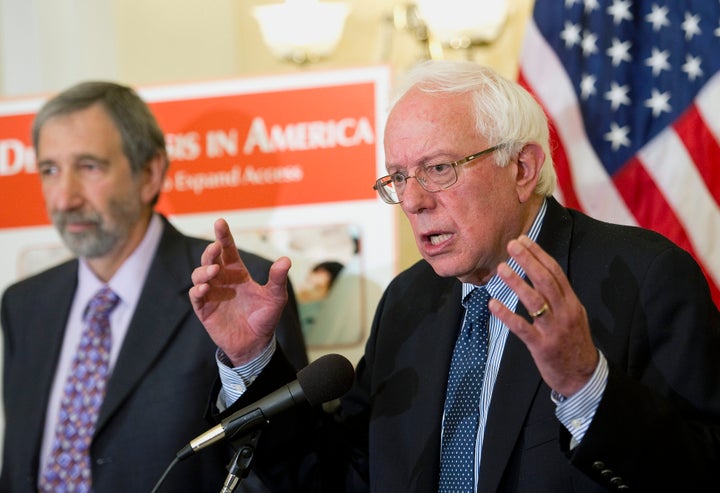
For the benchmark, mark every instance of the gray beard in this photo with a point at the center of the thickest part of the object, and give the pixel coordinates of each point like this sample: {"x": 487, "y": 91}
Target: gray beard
{"x": 105, "y": 236}
{"x": 91, "y": 244}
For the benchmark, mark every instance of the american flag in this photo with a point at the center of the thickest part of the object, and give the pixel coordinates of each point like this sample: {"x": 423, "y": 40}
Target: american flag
{"x": 632, "y": 90}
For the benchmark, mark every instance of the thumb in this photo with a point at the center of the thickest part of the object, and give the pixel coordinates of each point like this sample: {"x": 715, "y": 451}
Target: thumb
{"x": 278, "y": 275}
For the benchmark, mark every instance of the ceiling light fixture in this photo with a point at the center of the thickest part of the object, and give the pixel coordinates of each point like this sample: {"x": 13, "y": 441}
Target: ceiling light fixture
{"x": 302, "y": 30}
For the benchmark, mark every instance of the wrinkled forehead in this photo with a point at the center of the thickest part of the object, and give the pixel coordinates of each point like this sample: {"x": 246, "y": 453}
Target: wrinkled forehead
{"x": 423, "y": 125}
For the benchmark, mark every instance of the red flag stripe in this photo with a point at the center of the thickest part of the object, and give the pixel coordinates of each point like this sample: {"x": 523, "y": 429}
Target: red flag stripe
{"x": 566, "y": 193}
{"x": 653, "y": 212}
{"x": 701, "y": 145}
{"x": 648, "y": 204}
{"x": 684, "y": 189}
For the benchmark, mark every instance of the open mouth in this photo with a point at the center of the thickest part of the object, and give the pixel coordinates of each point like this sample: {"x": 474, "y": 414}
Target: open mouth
{"x": 438, "y": 238}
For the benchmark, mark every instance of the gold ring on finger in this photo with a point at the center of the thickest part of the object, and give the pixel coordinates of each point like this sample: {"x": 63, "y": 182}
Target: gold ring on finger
{"x": 540, "y": 312}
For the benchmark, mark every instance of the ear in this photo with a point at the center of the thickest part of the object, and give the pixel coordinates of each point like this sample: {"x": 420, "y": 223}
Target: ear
{"x": 152, "y": 177}
{"x": 529, "y": 163}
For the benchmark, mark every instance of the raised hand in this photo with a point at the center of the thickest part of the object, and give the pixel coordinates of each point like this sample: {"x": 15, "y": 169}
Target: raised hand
{"x": 559, "y": 336}
{"x": 239, "y": 314}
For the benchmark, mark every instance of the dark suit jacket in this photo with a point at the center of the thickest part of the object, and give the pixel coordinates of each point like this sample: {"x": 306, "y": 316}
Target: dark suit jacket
{"x": 157, "y": 395}
{"x": 656, "y": 428}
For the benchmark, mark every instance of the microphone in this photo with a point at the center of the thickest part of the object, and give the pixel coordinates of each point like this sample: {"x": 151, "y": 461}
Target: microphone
{"x": 325, "y": 379}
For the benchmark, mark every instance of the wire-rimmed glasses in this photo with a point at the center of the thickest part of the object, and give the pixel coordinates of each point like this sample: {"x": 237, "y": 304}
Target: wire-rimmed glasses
{"x": 432, "y": 177}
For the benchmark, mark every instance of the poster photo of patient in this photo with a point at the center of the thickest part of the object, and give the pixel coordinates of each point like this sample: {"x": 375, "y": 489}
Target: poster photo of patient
{"x": 336, "y": 296}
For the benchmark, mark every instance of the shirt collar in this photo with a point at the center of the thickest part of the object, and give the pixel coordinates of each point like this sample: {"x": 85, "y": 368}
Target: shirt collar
{"x": 130, "y": 277}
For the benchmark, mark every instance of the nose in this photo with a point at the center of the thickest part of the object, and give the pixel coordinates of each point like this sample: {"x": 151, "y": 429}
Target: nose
{"x": 63, "y": 192}
{"x": 415, "y": 198}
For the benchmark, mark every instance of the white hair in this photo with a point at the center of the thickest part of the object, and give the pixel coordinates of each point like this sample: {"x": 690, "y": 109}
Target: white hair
{"x": 504, "y": 111}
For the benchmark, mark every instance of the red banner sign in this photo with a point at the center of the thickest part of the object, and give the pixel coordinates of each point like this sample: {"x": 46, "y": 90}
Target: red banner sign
{"x": 233, "y": 150}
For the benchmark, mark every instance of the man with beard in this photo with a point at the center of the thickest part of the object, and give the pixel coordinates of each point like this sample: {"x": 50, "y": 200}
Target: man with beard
{"x": 101, "y": 159}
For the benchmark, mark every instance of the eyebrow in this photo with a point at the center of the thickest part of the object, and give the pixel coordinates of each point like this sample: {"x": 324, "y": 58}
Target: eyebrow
{"x": 428, "y": 161}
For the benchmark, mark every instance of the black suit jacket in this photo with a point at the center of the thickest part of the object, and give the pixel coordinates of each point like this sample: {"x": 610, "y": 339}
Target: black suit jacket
{"x": 157, "y": 395}
{"x": 656, "y": 428}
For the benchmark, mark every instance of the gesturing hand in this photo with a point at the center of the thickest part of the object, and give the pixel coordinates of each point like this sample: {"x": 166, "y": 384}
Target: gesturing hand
{"x": 239, "y": 314}
{"x": 559, "y": 336}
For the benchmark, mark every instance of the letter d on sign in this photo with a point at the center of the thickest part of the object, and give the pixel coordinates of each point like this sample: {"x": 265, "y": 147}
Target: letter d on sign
{"x": 14, "y": 157}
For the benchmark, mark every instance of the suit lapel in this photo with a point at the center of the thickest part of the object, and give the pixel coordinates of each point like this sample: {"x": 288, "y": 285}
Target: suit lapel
{"x": 162, "y": 307}
{"x": 515, "y": 388}
{"x": 437, "y": 346}
{"x": 46, "y": 330}
{"x": 518, "y": 378}
{"x": 414, "y": 339}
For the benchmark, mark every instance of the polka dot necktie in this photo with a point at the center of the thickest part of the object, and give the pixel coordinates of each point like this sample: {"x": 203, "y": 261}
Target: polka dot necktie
{"x": 462, "y": 401}
{"x": 68, "y": 467}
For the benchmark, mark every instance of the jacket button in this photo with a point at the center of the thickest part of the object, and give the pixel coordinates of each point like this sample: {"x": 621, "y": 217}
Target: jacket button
{"x": 598, "y": 465}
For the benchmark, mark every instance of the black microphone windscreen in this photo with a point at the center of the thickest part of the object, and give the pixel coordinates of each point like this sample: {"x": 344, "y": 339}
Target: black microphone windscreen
{"x": 326, "y": 378}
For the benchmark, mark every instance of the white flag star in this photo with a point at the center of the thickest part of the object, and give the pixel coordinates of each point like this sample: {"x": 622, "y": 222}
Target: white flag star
{"x": 587, "y": 86}
{"x": 658, "y": 61}
{"x": 570, "y": 34}
{"x": 691, "y": 26}
{"x": 591, "y": 5}
{"x": 588, "y": 43}
{"x": 619, "y": 51}
{"x": 692, "y": 67}
{"x": 658, "y": 102}
{"x": 617, "y": 136}
{"x": 658, "y": 17}
{"x": 617, "y": 95}
{"x": 620, "y": 11}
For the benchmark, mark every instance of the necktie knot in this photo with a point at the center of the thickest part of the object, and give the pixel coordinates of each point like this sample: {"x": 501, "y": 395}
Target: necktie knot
{"x": 476, "y": 303}
{"x": 102, "y": 304}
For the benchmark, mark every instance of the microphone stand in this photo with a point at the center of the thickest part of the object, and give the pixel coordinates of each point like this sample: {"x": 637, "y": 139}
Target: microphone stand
{"x": 239, "y": 466}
